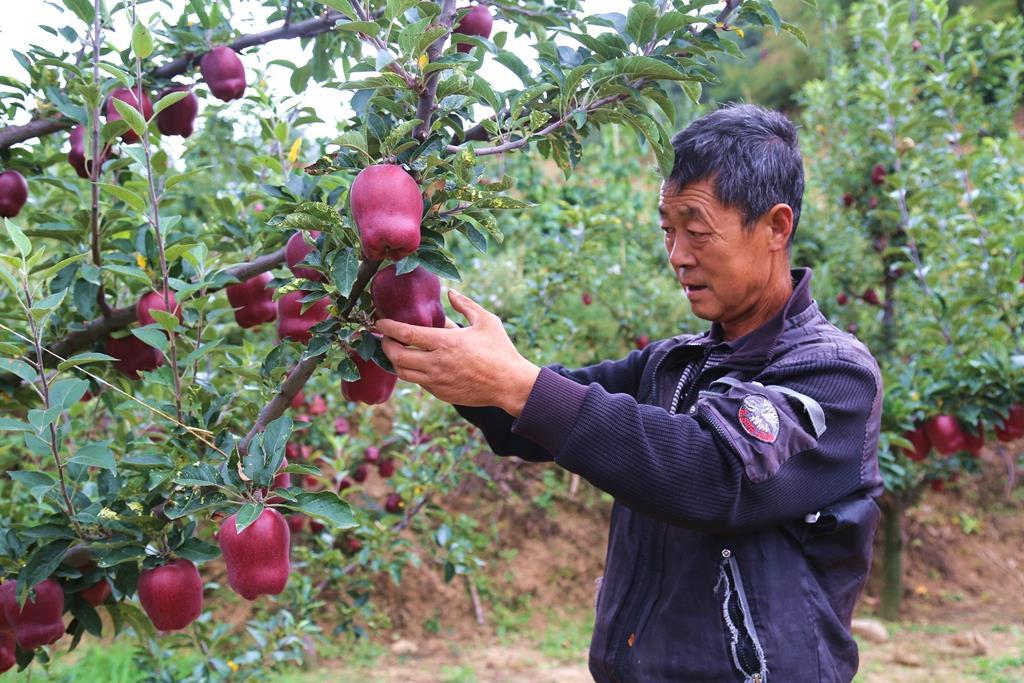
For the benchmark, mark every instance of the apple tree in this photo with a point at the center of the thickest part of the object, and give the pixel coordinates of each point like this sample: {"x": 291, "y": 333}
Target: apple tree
{"x": 148, "y": 419}
{"x": 916, "y": 203}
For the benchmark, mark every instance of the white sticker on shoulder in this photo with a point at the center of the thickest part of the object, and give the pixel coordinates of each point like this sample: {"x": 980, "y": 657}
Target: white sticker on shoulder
{"x": 759, "y": 418}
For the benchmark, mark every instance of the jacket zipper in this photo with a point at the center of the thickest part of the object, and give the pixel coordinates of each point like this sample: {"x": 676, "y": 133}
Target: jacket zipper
{"x": 752, "y": 664}
{"x": 629, "y": 625}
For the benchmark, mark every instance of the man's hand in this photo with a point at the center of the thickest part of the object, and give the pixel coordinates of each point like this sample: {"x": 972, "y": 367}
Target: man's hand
{"x": 470, "y": 366}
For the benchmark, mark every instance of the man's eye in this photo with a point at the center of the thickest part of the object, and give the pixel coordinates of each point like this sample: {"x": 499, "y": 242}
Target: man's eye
{"x": 696, "y": 235}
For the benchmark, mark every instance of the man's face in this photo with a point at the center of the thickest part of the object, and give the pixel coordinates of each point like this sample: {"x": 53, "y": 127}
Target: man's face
{"x": 723, "y": 268}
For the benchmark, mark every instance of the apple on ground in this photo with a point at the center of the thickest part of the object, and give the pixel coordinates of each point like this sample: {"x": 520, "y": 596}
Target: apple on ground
{"x": 476, "y": 22}
{"x": 413, "y": 298}
{"x": 40, "y": 620}
{"x": 387, "y": 207}
{"x": 180, "y": 117}
{"x": 292, "y": 323}
{"x": 13, "y": 193}
{"x": 253, "y": 301}
{"x": 224, "y": 73}
{"x": 257, "y": 558}
{"x": 296, "y": 250}
{"x": 133, "y": 354}
{"x": 171, "y": 594}
{"x": 132, "y": 98}
{"x": 76, "y": 155}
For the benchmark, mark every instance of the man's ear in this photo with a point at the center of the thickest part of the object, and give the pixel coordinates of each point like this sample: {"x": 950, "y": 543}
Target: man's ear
{"x": 779, "y": 220}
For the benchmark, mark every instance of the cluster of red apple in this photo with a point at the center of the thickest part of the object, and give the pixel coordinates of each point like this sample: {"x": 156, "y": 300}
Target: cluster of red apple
{"x": 878, "y": 174}
{"x": 945, "y": 434}
{"x": 870, "y": 297}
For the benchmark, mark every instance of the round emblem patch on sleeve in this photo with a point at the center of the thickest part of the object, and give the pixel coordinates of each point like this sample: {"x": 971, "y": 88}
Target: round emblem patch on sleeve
{"x": 759, "y": 418}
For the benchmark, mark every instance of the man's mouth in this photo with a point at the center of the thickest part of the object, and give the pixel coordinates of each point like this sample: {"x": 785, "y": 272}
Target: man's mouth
{"x": 693, "y": 288}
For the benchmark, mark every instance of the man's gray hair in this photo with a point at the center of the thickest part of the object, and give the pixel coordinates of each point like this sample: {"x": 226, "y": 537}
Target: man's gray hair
{"x": 751, "y": 154}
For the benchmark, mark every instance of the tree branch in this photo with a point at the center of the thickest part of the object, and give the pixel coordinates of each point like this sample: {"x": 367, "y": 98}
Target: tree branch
{"x": 425, "y": 107}
{"x": 303, "y": 370}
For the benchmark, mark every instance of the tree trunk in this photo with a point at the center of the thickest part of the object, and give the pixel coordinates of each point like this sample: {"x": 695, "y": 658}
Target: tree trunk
{"x": 892, "y": 558}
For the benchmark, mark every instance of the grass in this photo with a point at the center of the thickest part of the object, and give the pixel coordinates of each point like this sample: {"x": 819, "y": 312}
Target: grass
{"x": 107, "y": 662}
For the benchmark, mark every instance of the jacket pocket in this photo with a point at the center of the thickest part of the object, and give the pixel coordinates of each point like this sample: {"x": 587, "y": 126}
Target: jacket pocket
{"x": 744, "y": 646}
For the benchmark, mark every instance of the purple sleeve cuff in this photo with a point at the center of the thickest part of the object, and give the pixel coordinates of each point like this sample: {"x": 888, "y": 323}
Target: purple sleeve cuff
{"x": 551, "y": 410}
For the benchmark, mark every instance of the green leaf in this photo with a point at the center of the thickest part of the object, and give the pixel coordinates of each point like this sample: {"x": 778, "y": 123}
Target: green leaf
{"x": 20, "y": 241}
{"x": 127, "y": 613}
{"x": 170, "y": 98}
{"x": 438, "y": 263}
{"x": 370, "y": 28}
{"x": 19, "y": 368}
{"x": 344, "y": 270}
{"x": 51, "y": 302}
{"x": 343, "y": 6}
{"x": 131, "y": 116}
{"x": 67, "y": 392}
{"x": 168, "y": 321}
{"x": 648, "y": 67}
{"x": 275, "y": 438}
{"x": 142, "y": 41}
{"x": 692, "y": 90}
{"x": 327, "y": 506}
{"x": 152, "y": 337}
{"x": 41, "y": 563}
{"x": 83, "y": 9}
{"x": 197, "y": 550}
{"x": 129, "y": 271}
{"x": 384, "y": 58}
{"x": 9, "y": 424}
{"x": 132, "y": 199}
{"x": 96, "y": 455}
{"x": 200, "y": 474}
{"x": 795, "y": 32}
{"x": 181, "y": 177}
{"x": 48, "y": 272}
{"x": 83, "y": 358}
{"x": 247, "y": 514}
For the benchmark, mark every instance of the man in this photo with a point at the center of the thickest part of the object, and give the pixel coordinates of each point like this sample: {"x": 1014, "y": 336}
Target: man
{"x": 743, "y": 461}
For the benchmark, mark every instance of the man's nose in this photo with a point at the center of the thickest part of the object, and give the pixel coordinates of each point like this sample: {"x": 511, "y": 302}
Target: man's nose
{"x": 680, "y": 255}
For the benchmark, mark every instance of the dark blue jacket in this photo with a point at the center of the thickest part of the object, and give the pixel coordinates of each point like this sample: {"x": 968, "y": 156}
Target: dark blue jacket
{"x": 742, "y": 527}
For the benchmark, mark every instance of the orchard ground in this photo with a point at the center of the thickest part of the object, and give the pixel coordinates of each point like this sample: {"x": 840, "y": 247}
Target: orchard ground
{"x": 963, "y": 612}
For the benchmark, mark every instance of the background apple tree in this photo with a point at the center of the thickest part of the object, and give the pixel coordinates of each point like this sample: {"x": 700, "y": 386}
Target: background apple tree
{"x": 142, "y": 408}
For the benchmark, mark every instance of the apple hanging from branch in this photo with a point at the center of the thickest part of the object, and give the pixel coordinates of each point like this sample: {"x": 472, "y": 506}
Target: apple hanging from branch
{"x": 375, "y": 384}
{"x": 180, "y": 117}
{"x": 155, "y": 301}
{"x": 292, "y": 323}
{"x": 253, "y": 301}
{"x": 76, "y": 155}
{"x": 172, "y": 594}
{"x": 413, "y": 298}
{"x": 476, "y": 22}
{"x": 134, "y": 355}
{"x": 387, "y": 207}
{"x": 130, "y": 97}
{"x": 257, "y": 558}
{"x": 39, "y": 621}
{"x": 13, "y": 193}
{"x": 224, "y": 73}
{"x": 296, "y": 250}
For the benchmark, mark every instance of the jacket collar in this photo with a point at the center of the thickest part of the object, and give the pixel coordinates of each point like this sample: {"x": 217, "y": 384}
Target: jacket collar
{"x": 757, "y": 346}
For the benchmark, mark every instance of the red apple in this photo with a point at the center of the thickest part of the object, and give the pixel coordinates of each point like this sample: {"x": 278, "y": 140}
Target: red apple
{"x": 361, "y": 471}
{"x": 133, "y": 354}
{"x": 155, "y": 301}
{"x": 130, "y": 97}
{"x": 870, "y": 296}
{"x": 345, "y": 483}
{"x": 873, "y": 203}
{"x": 180, "y": 117}
{"x": 257, "y": 558}
{"x": 340, "y": 426}
{"x": 587, "y": 299}
{"x": 374, "y": 385}
{"x": 387, "y": 207}
{"x": 1013, "y": 426}
{"x": 97, "y": 593}
{"x": 849, "y": 199}
{"x": 915, "y": 45}
{"x": 317, "y": 406}
{"x": 945, "y": 434}
{"x": 371, "y": 455}
{"x": 878, "y": 174}
{"x": 350, "y": 545}
{"x": 394, "y": 503}
{"x": 253, "y": 301}
{"x": 938, "y": 485}
{"x": 315, "y": 526}
{"x": 975, "y": 441}
{"x": 842, "y": 299}
{"x": 295, "y": 523}
{"x": 40, "y": 620}
{"x": 921, "y": 443}
{"x": 413, "y": 298}
{"x": 298, "y": 400}
{"x": 282, "y": 480}
{"x": 223, "y": 71}
{"x": 386, "y": 468}
{"x": 13, "y": 193}
{"x": 292, "y": 323}
{"x": 296, "y": 250}
{"x": 7, "y": 657}
{"x": 76, "y": 155}
{"x": 172, "y": 594}
{"x": 476, "y": 22}
{"x": 642, "y": 341}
